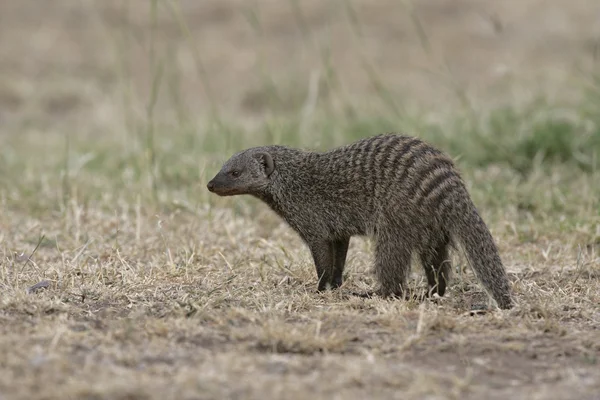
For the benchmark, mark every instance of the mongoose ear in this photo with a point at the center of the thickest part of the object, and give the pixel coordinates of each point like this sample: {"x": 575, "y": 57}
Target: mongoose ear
{"x": 267, "y": 162}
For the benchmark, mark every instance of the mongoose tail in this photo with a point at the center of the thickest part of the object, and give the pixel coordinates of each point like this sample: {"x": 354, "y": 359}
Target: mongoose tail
{"x": 471, "y": 231}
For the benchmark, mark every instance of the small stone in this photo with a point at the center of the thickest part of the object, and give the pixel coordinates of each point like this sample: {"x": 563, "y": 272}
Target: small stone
{"x": 40, "y": 285}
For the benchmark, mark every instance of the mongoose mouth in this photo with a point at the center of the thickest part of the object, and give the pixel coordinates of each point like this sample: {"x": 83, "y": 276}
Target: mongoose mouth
{"x": 221, "y": 190}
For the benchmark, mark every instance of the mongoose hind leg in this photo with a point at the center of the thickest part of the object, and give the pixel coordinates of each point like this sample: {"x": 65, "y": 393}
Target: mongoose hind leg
{"x": 392, "y": 265}
{"x": 436, "y": 262}
{"x": 340, "y": 248}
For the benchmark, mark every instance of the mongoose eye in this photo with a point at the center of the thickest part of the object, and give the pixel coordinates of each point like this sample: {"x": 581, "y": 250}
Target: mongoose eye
{"x": 235, "y": 173}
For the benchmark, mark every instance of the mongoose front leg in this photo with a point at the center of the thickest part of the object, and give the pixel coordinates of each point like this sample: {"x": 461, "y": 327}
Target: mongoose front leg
{"x": 323, "y": 255}
{"x": 436, "y": 263}
{"x": 340, "y": 250}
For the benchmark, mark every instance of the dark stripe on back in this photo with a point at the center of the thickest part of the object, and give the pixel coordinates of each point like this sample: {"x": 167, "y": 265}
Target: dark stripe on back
{"x": 437, "y": 163}
{"x": 372, "y": 166}
{"x": 435, "y": 183}
{"x": 382, "y": 161}
{"x": 408, "y": 145}
{"x": 391, "y": 155}
{"x": 447, "y": 200}
{"x": 434, "y": 164}
{"x": 364, "y": 173}
{"x": 414, "y": 156}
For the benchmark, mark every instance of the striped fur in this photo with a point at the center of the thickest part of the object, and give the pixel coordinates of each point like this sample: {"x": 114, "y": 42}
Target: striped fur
{"x": 399, "y": 190}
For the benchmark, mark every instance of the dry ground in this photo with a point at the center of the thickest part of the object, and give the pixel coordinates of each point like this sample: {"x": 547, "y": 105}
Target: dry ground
{"x": 201, "y": 302}
{"x": 157, "y": 290}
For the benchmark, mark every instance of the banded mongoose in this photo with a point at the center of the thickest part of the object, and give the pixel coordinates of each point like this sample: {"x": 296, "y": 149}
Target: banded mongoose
{"x": 399, "y": 190}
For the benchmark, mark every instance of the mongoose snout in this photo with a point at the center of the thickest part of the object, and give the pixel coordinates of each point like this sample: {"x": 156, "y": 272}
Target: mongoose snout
{"x": 399, "y": 190}
{"x": 221, "y": 188}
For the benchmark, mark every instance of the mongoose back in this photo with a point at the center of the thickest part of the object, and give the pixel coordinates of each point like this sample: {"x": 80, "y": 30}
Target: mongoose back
{"x": 401, "y": 191}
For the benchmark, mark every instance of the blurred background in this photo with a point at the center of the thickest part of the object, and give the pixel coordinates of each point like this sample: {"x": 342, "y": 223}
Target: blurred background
{"x": 168, "y": 89}
{"x": 89, "y": 62}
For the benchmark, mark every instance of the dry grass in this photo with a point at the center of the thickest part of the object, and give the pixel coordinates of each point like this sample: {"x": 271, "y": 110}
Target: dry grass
{"x": 151, "y": 301}
{"x": 154, "y": 289}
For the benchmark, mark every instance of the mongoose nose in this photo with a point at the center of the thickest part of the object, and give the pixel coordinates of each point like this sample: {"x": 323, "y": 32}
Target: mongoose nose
{"x": 210, "y": 185}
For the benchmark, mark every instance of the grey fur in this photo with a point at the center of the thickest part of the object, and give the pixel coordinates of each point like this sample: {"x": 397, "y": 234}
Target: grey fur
{"x": 399, "y": 190}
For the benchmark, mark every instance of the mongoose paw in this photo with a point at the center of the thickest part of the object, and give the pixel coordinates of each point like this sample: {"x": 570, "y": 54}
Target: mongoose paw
{"x": 506, "y": 303}
{"x": 322, "y": 287}
{"x": 336, "y": 282}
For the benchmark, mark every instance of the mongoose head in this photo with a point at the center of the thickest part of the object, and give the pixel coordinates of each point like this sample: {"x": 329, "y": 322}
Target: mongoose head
{"x": 246, "y": 172}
